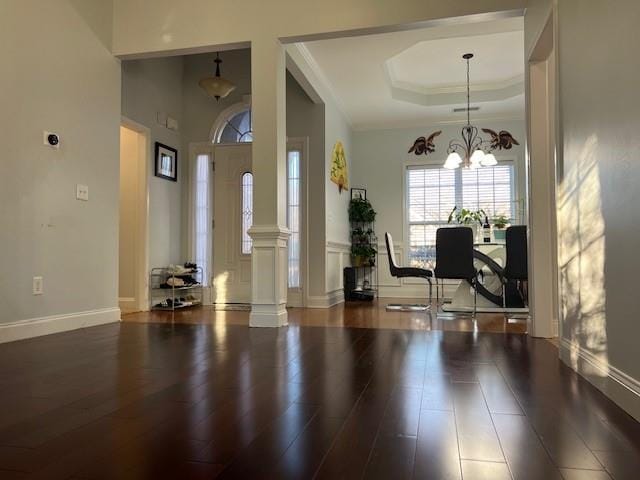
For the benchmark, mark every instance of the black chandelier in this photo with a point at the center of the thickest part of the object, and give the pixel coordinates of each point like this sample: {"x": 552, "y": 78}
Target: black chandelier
{"x": 471, "y": 150}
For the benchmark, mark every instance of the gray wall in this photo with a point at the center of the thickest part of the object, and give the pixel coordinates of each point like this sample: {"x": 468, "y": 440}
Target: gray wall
{"x": 306, "y": 119}
{"x": 148, "y": 87}
{"x": 200, "y": 111}
{"x": 171, "y": 85}
{"x": 598, "y": 178}
{"x": 57, "y": 75}
{"x": 600, "y": 186}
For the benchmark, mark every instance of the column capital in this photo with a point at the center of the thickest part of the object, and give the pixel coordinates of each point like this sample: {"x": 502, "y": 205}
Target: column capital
{"x": 269, "y": 232}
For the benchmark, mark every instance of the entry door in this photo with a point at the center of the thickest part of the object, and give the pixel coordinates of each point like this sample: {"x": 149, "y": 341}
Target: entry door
{"x": 231, "y": 253}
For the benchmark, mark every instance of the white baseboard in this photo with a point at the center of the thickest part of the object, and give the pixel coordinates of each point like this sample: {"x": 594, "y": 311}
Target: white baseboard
{"x": 620, "y": 387}
{"x": 326, "y": 301}
{"x": 128, "y": 304}
{"x": 35, "y": 327}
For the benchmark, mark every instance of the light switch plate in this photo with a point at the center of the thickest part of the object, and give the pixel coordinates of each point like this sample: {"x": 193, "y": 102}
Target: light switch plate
{"x": 82, "y": 192}
{"x": 38, "y": 286}
{"x": 172, "y": 123}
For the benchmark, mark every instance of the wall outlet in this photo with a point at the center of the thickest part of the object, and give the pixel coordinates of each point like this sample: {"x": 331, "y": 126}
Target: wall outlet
{"x": 38, "y": 286}
{"x": 82, "y": 192}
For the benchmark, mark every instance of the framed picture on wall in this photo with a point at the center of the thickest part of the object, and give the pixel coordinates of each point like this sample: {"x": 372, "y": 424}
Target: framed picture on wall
{"x": 166, "y": 162}
{"x": 358, "y": 193}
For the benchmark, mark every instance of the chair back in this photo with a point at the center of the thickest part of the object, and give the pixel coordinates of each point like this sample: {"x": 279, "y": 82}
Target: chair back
{"x": 454, "y": 253}
{"x": 391, "y": 254}
{"x": 516, "y": 267}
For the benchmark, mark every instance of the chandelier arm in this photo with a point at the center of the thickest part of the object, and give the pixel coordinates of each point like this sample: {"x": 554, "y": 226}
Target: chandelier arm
{"x": 454, "y": 146}
{"x": 469, "y": 135}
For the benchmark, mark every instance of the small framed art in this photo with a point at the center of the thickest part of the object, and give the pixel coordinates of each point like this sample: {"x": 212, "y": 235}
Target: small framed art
{"x": 358, "y": 193}
{"x": 166, "y": 162}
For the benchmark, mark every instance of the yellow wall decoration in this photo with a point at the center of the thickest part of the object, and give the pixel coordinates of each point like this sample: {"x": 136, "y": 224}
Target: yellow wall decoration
{"x": 339, "y": 167}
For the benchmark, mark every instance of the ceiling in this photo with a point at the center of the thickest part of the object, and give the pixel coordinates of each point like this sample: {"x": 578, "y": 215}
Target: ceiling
{"x": 417, "y": 77}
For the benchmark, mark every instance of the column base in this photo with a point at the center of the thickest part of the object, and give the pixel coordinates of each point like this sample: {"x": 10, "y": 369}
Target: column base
{"x": 268, "y": 316}
{"x": 268, "y": 276}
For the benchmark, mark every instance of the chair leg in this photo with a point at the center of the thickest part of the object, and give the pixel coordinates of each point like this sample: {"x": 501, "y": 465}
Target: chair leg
{"x": 504, "y": 302}
{"x": 475, "y": 297}
{"x": 430, "y": 292}
{"x": 504, "y": 295}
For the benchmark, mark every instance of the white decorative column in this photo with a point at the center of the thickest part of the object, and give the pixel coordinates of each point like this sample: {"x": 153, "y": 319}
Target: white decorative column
{"x": 269, "y": 232}
{"x": 269, "y": 276}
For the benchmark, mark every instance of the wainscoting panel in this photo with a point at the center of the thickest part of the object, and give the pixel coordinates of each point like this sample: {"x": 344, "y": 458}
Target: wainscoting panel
{"x": 337, "y": 258}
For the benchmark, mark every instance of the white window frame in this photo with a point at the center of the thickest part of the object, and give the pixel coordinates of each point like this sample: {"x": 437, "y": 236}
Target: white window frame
{"x": 226, "y": 115}
{"x": 438, "y": 163}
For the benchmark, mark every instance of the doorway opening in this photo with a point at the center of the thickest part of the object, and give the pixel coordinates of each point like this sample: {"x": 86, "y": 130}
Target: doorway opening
{"x": 133, "y": 235}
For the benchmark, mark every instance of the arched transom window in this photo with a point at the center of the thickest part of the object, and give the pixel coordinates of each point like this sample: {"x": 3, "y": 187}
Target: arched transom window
{"x": 234, "y": 125}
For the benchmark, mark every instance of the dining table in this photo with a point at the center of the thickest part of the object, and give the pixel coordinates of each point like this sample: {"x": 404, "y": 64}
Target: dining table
{"x": 489, "y": 260}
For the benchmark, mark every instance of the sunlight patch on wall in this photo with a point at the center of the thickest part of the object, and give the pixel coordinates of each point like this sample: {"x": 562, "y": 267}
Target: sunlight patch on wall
{"x": 581, "y": 252}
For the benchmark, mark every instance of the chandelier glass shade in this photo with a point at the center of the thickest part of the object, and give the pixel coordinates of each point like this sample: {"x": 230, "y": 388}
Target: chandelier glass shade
{"x": 217, "y": 86}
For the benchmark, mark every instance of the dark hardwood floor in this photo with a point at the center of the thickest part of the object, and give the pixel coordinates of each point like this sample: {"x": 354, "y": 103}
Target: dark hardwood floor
{"x": 184, "y": 401}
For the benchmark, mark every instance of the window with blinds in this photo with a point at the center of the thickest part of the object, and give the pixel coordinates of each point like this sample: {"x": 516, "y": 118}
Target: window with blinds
{"x": 432, "y": 192}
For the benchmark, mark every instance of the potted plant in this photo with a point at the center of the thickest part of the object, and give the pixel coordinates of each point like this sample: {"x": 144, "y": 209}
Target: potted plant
{"x": 469, "y": 218}
{"x": 361, "y": 211}
{"x": 499, "y": 227}
{"x": 363, "y": 255}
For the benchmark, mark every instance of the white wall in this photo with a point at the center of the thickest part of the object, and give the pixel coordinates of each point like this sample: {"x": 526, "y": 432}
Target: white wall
{"x": 57, "y": 75}
{"x": 148, "y": 87}
{"x": 337, "y": 128}
{"x": 379, "y": 165}
{"x": 151, "y": 25}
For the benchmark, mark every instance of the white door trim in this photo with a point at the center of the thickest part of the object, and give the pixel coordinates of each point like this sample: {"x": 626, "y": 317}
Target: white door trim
{"x": 141, "y": 301}
{"x": 543, "y": 140}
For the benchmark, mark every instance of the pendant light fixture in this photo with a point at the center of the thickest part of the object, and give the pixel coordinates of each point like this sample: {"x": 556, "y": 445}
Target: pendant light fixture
{"x": 471, "y": 150}
{"x": 216, "y": 86}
